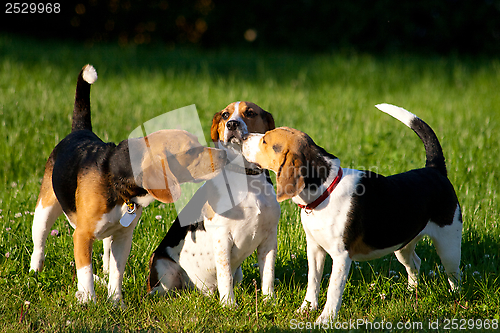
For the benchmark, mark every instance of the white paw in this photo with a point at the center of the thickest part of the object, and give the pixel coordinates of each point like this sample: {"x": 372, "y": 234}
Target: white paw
{"x": 117, "y": 299}
{"x": 37, "y": 263}
{"x": 412, "y": 284}
{"x": 118, "y": 303}
{"x": 228, "y": 302}
{"x": 325, "y": 318}
{"x": 307, "y": 306}
{"x": 83, "y": 297}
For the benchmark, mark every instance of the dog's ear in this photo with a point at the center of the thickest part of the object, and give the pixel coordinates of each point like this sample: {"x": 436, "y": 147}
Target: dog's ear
{"x": 158, "y": 180}
{"x": 214, "y": 130}
{"x": 269, "y": 120}
{"x": 290, "y": 178}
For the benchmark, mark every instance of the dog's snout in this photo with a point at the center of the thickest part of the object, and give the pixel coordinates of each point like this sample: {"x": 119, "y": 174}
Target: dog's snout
{"x": 232, "y": 125}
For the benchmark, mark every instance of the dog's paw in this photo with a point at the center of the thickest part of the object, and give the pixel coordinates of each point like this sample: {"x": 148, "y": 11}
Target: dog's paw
{"x": 307, "y": 306}
{"x": 324, "y": 319}
{"x": 228, "y": 302}
{"x": 84, "y": 297}
{"x": 117, "y": 300}
{"x": 37, "y": 262}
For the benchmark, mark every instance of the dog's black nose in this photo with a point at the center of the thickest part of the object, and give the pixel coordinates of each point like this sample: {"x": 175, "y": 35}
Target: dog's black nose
{"x": 232, "y": 125}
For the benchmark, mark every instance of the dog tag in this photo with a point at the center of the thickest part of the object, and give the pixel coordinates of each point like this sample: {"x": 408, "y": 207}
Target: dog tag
{"x": 129, "y": 216}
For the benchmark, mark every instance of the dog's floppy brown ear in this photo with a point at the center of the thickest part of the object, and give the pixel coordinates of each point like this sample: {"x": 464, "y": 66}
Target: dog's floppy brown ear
{"x": 268, "y": 118}
{"x": 214, "y": 130}
{"x": 158, "y": 180}
{"x": 290, "y": 179}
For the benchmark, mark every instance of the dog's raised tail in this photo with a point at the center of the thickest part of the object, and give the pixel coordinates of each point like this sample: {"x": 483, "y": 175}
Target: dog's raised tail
{"x": 433, "y": 150}
{"x": 81, "y": 111}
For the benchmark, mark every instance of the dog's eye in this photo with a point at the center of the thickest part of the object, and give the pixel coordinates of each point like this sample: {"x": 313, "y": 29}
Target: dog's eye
{"x": 264, "y": 141}
{"x": 250, "y": 113}
{"x": 225, "y": 115}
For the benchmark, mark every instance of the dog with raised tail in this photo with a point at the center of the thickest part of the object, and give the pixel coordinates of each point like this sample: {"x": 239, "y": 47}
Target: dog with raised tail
{"x": 360, "y": 215}
{"x": 102, "y": 188}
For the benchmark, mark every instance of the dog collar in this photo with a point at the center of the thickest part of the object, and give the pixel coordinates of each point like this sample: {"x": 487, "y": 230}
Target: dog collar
{"x": 325, "y": 194}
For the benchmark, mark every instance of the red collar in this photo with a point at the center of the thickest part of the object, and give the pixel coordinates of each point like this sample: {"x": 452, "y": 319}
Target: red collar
{"x": 325, "y": 194}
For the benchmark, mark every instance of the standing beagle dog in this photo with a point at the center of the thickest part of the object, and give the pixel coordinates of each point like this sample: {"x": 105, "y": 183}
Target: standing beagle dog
{"x": 360, "y": 215}
{"x": 226, "y": 220}
{"x": 93, "y": 183}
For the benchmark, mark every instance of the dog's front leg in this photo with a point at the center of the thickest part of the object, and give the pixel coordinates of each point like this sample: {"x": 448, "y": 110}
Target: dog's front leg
{"x": 341, "y": 264}
{"x": 266, "y": 254}
{"x": 222, "y": 253}
{"x": 82, "y": 241}
{"x": 120, "y": 245}
{"x": 315, "y": 262}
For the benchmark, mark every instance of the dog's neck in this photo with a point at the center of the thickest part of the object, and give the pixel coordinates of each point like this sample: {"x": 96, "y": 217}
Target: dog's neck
{"x": 122, "y": 174}
{"x": 312, "y": 190}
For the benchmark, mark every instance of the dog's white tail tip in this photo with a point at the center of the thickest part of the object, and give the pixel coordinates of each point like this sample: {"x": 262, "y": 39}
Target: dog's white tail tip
{"x": 89, "y": 74}
{"x": 397, "y": 112}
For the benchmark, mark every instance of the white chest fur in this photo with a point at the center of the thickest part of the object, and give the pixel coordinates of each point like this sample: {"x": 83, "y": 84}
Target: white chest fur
{"x": 109, "y": 223}
{"x": 327, "y": 222}
{"x": 233, "y": 233}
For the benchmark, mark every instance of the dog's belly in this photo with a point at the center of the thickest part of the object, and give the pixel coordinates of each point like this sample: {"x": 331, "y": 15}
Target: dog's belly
{"x": 257, "y": 221}
{"x": 375, "y": 254}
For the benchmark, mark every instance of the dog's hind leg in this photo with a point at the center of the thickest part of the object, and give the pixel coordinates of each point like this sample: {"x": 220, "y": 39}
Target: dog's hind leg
{"x": 47, "y": 211}
{"x": 106, "y": 249}
{"x": 448, "y": 241}
{"x": 408, "y": 257}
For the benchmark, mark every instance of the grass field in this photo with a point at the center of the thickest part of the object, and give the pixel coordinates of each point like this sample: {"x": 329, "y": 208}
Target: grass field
{"x": 329, "y": 96}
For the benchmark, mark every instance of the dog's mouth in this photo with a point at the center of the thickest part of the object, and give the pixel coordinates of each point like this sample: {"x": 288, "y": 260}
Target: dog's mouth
{"x": 235, "y": 140}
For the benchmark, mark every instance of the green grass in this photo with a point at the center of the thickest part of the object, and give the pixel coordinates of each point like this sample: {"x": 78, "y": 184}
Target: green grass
{"x": 329, "y": 96}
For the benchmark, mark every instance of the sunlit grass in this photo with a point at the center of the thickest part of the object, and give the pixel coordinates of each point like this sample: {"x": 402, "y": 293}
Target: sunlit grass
{"x": 329, "y": 96}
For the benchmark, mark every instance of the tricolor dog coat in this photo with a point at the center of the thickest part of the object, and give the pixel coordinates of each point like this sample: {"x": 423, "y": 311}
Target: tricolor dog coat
{"x": 94, "y": 184}
{"x": 360, "y": 215}
{"x": 228, "y": 218}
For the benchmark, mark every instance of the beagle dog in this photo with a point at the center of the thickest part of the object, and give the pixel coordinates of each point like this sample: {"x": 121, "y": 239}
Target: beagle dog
{"x": 360, "y": 215}
{"x": 94, "y": 184}
{"x": 227, "y": 219}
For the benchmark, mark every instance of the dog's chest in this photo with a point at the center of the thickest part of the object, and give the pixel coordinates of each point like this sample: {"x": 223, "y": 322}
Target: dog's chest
{"x": 243, "y": 226}
{"x": 327, "y": 223}
{"x": 110, "y": 224}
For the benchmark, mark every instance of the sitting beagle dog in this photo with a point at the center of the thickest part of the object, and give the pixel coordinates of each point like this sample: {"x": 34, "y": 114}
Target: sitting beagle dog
{"x": 94, "y": 184}
{"x": 226, "y": 220}
{"x": 360, "y": 215}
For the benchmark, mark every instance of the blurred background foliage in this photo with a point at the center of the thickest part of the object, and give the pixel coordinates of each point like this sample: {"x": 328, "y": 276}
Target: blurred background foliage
{"x": 445, "y": 26}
